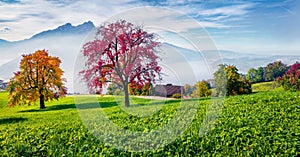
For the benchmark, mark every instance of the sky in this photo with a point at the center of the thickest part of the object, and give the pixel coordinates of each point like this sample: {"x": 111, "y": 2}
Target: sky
{"x": 260, "y": 27}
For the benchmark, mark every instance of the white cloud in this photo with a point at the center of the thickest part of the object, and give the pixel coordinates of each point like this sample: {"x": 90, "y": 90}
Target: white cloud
{"x": 219, "y": 13}
{"x": 228, "y": 10}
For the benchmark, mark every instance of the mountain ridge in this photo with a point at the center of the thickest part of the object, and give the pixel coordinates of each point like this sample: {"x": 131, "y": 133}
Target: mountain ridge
{"x": 4, "y": 42}
{"x": 65, "y": 29}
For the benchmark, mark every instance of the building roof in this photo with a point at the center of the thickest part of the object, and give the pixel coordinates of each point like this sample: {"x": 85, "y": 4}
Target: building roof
{"x": 167, "y": 90}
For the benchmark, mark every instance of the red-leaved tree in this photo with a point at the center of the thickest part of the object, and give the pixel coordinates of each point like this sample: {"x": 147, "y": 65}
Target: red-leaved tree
{"x": 123, "y": 54}
{"x": 291, "y": 79}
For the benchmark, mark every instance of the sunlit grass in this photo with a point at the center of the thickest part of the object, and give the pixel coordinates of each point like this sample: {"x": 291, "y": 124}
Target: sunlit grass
{"x": 264, "y": 123}
{"x": 266, "y": 86}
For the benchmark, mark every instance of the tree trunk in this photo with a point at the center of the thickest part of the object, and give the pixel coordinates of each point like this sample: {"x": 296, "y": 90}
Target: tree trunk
{"x": 126, "y": 95}
{"x": 42, "y": 101}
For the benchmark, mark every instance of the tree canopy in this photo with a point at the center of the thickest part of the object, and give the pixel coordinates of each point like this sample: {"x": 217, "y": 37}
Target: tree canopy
{"x": 123, "y": 54}
{"x": 202, "y": 89}
{"x": 291, "y": 79}
{"x": 40, "y": 77}
{"x": 188, "y": 90}
{"x": 256, "y": 75}
{"x": 275, "y": 70}
{"x": 229, "y": 82}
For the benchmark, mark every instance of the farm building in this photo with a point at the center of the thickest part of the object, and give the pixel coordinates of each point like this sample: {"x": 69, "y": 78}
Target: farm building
{"x": 167, "y": 90}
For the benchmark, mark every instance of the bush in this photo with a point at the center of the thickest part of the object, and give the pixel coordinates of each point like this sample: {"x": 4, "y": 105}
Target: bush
{"x": 202, "y": 89}
{"x": 176, "y": 96}
{"x": 188, "y": 90}
{"x": 113, "y": 89}
{"x": 117, "y": 92}
{"x": 291, "y": 79}
{"x": 146, "y": 89}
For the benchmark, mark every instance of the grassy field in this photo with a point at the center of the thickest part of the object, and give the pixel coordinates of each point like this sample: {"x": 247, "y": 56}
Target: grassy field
{"x": 266, "y": 86}
{"x": 264, "y": 123}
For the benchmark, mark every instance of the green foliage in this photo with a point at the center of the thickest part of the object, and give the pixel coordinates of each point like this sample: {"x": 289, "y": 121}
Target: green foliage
{"x": 176, "y": 96}
{"x": 229, "y": 82}
{"x": 261, "y": 124}
{"x": 220, "y": 78}
{"x": 275, "y": 70}
{"x": 255, "y": 75}
{"x": 188, "y": 90}
{"x": 113, "y": 89}
{"x": 245, "y": 86}
{"x": 202, "y": 89}
{"x": 117, "y": 92}
{"x": 148, "y": 89}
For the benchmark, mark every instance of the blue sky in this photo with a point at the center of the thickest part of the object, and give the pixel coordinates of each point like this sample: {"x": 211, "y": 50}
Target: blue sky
{"x": 262, "y": 27}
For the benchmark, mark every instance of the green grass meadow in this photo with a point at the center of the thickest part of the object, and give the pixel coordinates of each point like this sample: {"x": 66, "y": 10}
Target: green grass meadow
{"x": 266, "y": 86}
{"x": 266, "y": 123}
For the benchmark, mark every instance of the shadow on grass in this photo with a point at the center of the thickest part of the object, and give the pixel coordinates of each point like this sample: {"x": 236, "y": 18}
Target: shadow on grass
{"x": 12, "y": 120}
{"x": 166, "y": 102}
{"x": 73, "y": 106}
{"x": 52, "y": 108}
{"x": 101, "y": 105}
{"x": 96, "y": 105}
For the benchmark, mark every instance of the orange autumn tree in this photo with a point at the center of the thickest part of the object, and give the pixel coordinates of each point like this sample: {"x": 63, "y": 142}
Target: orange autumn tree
{"x": 39, "y": 78}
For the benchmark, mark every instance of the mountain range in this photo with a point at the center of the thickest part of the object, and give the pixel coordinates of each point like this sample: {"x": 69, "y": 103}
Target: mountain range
{"x": 63, "y": 30}
{"x": 66, "y": 42}
{"x": 66, "y": 29}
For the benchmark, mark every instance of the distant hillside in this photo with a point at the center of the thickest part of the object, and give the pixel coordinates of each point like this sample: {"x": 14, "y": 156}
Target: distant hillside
{"x": 241, "y": 60}
{"x": 4, "y": 42}
{"x": 9, "y": 68}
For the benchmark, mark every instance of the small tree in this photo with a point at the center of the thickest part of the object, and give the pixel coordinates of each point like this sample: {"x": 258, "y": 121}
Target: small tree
{"x": 202, "y": 89}
{"x": 245, "y": 86}
{"x": 291, "y": 80}
{"x": 112, "y": 88}
{"x": 187, "y": 90}
{"x": 229, "y": 82}
{"x": 220, "y": 80}
{"x": 123, "y": 54}
{"x": 39, "y": 78}
{"x": 260, "y": 74}
{"x": 255, "y": 75}
{"x": 275, "y": 70}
